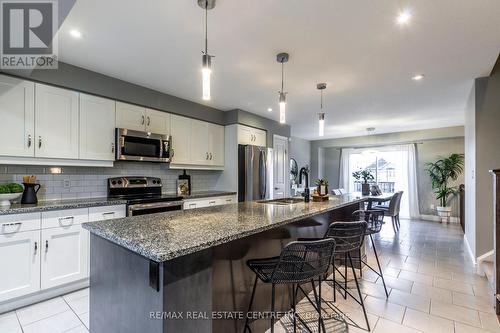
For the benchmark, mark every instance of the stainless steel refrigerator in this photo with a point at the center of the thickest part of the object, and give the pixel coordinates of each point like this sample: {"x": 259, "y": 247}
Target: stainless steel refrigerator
{"x": 255, "y": 173}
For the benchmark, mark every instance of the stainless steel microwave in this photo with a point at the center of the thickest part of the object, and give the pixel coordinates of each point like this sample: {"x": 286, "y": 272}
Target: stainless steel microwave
{"x": 142, "y": 146}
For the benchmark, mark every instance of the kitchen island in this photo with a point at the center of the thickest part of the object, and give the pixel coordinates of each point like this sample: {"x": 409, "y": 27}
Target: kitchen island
{"x": 185, "y": 271}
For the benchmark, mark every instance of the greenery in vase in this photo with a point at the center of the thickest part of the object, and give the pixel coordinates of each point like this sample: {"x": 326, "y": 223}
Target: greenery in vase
{"x": 321, "y": 182}
{"x": 441, "y": 172}
{"x": 11, "y": 188}
{"x": 366, "y": 175}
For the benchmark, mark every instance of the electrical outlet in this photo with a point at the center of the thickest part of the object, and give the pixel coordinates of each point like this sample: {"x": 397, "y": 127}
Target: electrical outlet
{"x": 433, "y": 206}
{"x": 66, "y": 183}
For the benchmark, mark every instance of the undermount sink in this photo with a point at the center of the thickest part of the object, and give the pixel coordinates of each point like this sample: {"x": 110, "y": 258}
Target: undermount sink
{"x": 282, "y": 201}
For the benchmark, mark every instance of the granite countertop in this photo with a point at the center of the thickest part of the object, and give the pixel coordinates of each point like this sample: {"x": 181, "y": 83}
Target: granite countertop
{"x": 43, "y": 206}
{"x": 164, "y": 236}
{"x": 206, "y": 194}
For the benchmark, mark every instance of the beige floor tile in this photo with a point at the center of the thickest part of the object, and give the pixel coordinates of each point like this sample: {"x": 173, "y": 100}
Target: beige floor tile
{"x": 463, "y": 328}
{"x": 42, "y": 310}
{"x": 480, "y": 303}
{"x": 416, "y": 302}
{"x": 404, "y": 265}
{"x": 436, "y": 272}
{"x": 433, "y": 293}
{"x": 397, "y": 283}
{"x": 386, "y": 326}
{"x": 384, "y": 309}
{"x": 427, "y": 323}
{"x": 59, "y": 323}
{"x": 458, "y": 286}
{"x": 417, "y": 277}
{"x": 489, "y": 321}
{"x": 9, "y": 323}
{"x": 372, "y": 289}
{"x": 456, "y": 313}
{"x": 484, "y": 290}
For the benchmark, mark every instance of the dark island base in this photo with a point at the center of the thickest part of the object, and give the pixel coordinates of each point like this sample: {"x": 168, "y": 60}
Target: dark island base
{"x": 126, "y": 296}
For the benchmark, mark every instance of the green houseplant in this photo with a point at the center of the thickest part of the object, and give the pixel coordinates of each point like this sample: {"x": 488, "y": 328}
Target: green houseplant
{"x": 441, "y": 173}
{"x": 322, "y": 186}
{"x": 367, "y": 176}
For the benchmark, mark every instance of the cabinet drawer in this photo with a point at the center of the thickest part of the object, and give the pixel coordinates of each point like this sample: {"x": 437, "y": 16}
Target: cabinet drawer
{"x": 106, "y": 213}
{"x": 19, "y": 222}
{"x": 225, "y": 200}
{"x": 64, "y": 218}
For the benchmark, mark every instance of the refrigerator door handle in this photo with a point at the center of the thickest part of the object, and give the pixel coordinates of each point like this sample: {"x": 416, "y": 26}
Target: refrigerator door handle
{"x": 262, "y": 174}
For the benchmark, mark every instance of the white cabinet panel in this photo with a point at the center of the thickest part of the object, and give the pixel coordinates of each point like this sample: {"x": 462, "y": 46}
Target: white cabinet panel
{"x": 200, "y": 150}
{"x": 17, "y": 128}
{"x": 56, "y": 118}
{"x": 97, "y": 128}
{"x": 207, "y": 202}
{"x": 216, "y": 144}
{"x": 20, "y": 264}
{"x": 130, "y": 116}
{"x": 106, "y": 213}
{"x": 19, "y": 223}
{"x": 64, "y": 255}
{"x": 251, "y": 136}
{"x": 260, "y": 138}
{"x": 157, "y": 122}
{"x": 64, "y": 217}
{"x": 181, "y": 139}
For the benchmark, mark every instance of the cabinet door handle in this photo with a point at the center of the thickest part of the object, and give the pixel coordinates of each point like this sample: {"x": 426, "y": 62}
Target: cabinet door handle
{"x": 40, "y": 141}
{"x": 142, "y": 123}
{"x": 112, "y": 147}
{"x": 105, "y": 215}
{"x": 46, "y": 246}
{"x": 207, "y": 156}
{"x": 211, "y": 156}
{"x": 36, "y": 247}
{"x": 68, "y": 218}
{"x": 29, "y": 140}
{"x": 211, "y": 202}
{"x": 11, "y": 224}
{"x": 149, "y": 121}
{"x": 173, "y": 153}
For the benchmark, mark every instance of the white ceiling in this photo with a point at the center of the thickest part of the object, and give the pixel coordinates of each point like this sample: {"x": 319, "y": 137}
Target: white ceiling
{"x": 355, "y": 46}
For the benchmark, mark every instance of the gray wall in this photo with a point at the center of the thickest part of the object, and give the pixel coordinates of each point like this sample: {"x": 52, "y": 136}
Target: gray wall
{"x": 86, "y": 182}
{"x": 300, "y": 150}
{"x": 487, "y": 139}
{"x": 433, "y": 143}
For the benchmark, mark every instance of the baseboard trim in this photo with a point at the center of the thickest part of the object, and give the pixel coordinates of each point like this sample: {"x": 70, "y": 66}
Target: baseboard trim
{"x": 436, "y": 218}
{"x": 488, "y": 256}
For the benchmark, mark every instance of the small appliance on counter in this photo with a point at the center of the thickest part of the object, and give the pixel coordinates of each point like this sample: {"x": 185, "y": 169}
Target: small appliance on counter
{"x": 31, "y": 188}
{"x": 184, "y": 184}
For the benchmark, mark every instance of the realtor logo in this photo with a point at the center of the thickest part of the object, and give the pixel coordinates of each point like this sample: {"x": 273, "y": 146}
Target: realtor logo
{"x": 27, "y": 34}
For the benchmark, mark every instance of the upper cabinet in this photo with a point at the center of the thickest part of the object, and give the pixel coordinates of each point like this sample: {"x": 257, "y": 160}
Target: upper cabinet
{"x": 251, "y": 136}
{"x": 17, "y": 128}
{"x": 197, "y": 144}
{"x": 139, "y": 118}
{"x": 56, "y": 119}
{"x": 97, "y": 128}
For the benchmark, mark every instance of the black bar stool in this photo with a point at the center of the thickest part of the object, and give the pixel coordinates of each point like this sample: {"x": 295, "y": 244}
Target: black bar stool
{"x": 300, "y": 262}
{"x": 374, "y": 219}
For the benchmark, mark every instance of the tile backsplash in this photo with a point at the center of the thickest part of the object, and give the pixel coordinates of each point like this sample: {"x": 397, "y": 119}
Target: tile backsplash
{"x": 90, "y": 182}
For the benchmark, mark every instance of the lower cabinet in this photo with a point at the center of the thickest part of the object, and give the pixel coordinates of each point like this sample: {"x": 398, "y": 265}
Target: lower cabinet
{"x": 20, "y": 264}
{"x": 207, "y": 202}
{"x": 65, "y": 254}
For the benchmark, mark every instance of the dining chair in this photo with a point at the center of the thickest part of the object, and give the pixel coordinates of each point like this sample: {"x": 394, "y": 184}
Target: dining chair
{"x": 392, "y": 209}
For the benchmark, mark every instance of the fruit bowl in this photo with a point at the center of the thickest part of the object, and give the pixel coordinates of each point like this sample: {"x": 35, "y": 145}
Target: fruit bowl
{"x": 6, "y": 198}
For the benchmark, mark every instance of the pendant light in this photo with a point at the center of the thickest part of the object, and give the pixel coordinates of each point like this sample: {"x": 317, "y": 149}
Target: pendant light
{"x": 321, "y": 121}
{"x": 206, "y": 69}
{"x": 282, "y": 58}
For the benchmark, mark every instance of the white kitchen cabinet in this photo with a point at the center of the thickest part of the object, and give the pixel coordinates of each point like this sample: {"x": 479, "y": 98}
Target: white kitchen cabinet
{"x": 216, "y": 144}
{"x": 64, "y": 255}
{"x": 157, "y": 122}
{"x": 210, "y": 201}
{"x": 130, "y": 116}
{"x": 251, "y": 136}
{"x": 20, "y": 264}
{"x": 200, "y": 150}
{"x": 56, "y": 119}
{"x": 97, "y": 128}
{"x": 107, "y": 213}
{"x": 17, "y": 128}
{"x": 181, "y": 140}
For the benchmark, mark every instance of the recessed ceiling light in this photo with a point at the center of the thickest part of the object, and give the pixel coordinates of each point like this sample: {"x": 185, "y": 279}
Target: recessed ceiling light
{"x": 270, "y": 109}
{"x": 403, "y": 17}
{"x": 75, "y": 33}
{"x": 418, "y": 77}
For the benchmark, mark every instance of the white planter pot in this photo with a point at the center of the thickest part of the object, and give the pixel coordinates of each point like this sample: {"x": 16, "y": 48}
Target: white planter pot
{"x": 444, "y": 213}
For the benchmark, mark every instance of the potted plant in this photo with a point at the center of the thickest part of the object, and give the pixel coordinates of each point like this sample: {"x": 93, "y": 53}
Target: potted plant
{"x": 322, "y": 186}
{"x": 367, "y": 176}
{"x": 442, "y": 172}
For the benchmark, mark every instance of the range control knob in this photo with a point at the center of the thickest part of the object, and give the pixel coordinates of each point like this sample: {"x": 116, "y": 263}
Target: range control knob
{"x": 119, "y": 182}
{"x": 113, "y": 182}
{"x": 158, "y": 181}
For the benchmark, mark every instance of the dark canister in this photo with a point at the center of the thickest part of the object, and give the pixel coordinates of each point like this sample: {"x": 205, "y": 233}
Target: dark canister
{"x": 29, "y": 194}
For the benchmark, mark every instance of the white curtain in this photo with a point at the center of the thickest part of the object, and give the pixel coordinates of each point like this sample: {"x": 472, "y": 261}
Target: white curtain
{"x": 413, "y": 208}
{"x": 344, "y": 169}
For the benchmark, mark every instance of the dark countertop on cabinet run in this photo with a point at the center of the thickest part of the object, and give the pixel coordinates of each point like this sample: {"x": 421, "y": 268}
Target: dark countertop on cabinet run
{"x": 43, "y": 206}
{"x": 165, "y": 236}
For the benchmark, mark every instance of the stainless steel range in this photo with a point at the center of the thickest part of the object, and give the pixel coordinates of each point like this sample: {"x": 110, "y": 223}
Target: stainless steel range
{"x": 143, "y": 195}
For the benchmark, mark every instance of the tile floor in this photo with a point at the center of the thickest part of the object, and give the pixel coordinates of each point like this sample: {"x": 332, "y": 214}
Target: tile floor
{"x": 430, "y": 278}
{"x": 431, "y": 282}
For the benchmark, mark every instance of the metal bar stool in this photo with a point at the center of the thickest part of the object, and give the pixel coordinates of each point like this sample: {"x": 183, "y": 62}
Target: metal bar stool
{"x": 300, "y": 262}
{"x": 374, "y": 220}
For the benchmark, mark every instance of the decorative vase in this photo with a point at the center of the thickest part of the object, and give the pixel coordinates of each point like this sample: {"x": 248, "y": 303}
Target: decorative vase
{"x": 444, "y": 213}
{"x": 322, "y": 189}
{"x": 365, "y": 189}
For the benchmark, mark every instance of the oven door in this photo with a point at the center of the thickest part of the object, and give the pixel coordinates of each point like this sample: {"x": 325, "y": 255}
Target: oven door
{"x": 141, "y": 146}
{"x": 154, "y": 207}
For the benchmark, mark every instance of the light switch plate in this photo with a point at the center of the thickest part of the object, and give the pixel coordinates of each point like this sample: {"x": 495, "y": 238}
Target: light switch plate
{"x": 66, "y": 183}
